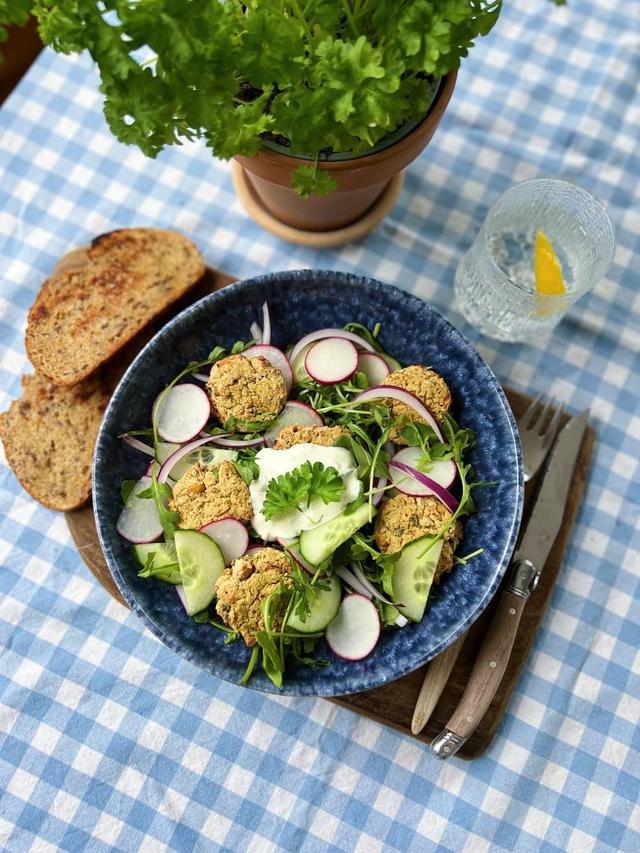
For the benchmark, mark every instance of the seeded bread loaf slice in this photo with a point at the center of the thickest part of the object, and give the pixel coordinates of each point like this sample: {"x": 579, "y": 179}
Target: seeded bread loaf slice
{"x": 86, "y": 313}
{"x": 49, "y": 437}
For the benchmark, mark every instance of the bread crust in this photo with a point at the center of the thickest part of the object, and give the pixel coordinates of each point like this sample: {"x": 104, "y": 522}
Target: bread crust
{"x": 86, "y": 312}
{"x": 49, "y": 436}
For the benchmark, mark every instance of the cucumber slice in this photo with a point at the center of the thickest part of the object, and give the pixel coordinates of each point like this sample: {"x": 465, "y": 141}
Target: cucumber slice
{"x": 393, "y": 363}
{"x": 163, "y": 556}
{"x": 413, "y": 576}
{"x": 318, "y": 544}
{"x": 205, "y": 454}
{"x": 323, "y": 610}
{"x": 201, "y": 564}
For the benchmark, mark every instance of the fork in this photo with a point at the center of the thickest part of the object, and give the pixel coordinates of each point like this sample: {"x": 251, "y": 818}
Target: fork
{"x": 536, "y": 438}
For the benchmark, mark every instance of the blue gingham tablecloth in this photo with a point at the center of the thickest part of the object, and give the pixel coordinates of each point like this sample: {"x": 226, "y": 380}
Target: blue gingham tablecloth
{"x": 112, "y": 742}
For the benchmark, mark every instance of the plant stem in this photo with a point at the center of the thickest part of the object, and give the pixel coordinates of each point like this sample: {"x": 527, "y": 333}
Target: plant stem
{"x": 250, "y": 666}
{"x": 300, "y": 15}
{"x": 349, "y": 16}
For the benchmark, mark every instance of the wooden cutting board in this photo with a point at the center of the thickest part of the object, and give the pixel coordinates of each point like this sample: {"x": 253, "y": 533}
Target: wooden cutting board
{"x": 393, "y": 704}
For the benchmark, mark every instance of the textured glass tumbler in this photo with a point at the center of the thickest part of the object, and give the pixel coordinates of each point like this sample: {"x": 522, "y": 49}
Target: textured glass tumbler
{"x": 495, "y": 284}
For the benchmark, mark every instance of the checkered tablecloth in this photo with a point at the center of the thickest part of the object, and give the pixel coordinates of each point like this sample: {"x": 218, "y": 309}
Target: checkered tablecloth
{"x": 112, "y": 742}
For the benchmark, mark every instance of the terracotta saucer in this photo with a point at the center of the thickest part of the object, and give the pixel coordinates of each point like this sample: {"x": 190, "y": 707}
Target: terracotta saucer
{"x": 315, "y": 239}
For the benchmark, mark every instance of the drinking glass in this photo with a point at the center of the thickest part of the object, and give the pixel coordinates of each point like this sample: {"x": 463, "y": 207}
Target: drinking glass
{"x": 495, "y": 284}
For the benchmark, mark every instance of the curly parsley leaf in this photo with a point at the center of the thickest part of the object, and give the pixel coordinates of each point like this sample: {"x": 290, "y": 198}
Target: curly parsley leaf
{"x": 309, "y": 180}
{"x": 290, "y": 490}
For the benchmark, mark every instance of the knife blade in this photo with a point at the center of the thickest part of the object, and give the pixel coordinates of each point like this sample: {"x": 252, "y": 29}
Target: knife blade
{"x": 546, "y": 518}
{"x": 528, "y": 562}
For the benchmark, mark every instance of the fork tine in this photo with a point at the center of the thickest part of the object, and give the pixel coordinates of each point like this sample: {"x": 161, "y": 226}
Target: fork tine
{"x": 527, "y": 417}
{"x": 552, "y": 429}
{"x": 538, "y": 426}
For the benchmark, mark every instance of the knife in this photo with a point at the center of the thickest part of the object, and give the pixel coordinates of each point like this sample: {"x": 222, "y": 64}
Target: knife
{"x": 527, "y": 564}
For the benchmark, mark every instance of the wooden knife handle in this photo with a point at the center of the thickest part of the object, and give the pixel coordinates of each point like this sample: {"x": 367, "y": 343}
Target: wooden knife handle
{"x": 485, "y": 677}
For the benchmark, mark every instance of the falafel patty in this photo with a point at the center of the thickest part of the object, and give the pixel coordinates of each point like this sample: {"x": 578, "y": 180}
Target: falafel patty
{"x": 403, "y": 518}
{"x": 245, "y": 584}
{"x": 297, "y": 434}
{"x": 427, "y": 385}
{"x": 206, "y": 493}
{"x": 246, "y": 388}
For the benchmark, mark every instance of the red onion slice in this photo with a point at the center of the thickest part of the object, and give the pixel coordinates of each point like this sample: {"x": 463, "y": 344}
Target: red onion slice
{"x": 391, "y": 392}
{"x": 266, "y": 325}
{"x": 235, "y": 443}
{"x": 328, "y": 333}
{"x": 132, "y": 441}
{"x": 173, "y": 460}
{"x": 288, "y": 545}
{"x": 201, "y": 377}
{"x": 256, "y": 332}
{"x": 348, "y": 577}
{"x": 379, "y": 490}
{"x": 437, "y": 490}
{"x": 366, "y": 583}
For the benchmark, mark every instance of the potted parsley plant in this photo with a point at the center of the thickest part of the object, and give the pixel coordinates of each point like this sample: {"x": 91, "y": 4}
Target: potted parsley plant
{"x": 322, "y": 102}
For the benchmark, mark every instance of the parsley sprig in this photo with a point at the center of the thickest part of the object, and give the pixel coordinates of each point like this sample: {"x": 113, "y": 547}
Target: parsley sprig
{"x": 326, "y": 76}
{"x": 297, "y": 488}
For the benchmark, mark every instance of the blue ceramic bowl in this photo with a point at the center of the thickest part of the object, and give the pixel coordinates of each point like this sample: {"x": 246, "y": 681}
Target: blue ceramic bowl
{"x": 300, "y": 302}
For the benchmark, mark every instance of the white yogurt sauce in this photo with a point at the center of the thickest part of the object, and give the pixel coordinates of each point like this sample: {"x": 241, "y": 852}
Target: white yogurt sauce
{"x": 273, "y": 463}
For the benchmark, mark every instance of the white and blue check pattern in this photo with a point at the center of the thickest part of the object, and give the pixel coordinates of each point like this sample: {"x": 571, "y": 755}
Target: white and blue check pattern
{"x": 112, "y": 742}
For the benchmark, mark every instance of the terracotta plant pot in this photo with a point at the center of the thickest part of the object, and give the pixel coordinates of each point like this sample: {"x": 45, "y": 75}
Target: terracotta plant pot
{"x": 361, "y": 180}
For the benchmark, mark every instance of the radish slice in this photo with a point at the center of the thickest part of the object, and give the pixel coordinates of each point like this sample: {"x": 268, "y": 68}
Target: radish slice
{"x": 294, "y": 412}
{"x": 331, "y": 360}
{"x": 430, "y": 486}
{"x": 230, "y": 535}
{"x": 275, "y": 357}
{"x": 139, "y": 521}
{"x": 182, "y": 412}
{"x": 256, "y": 332}
{"x": 266, "y": 325}
{"x": 349, "y": 578}
{"x": 354, "y": 632}
{"x": 253, "y": 548}
{"x": 374, "y": 367}
{"x": 443, "y": 471}
{"x": 289, "y": 545}
{"x": 390, "y": 392}
{"x": 319, "y": 334}
{"x": 179, "y": 454}
{"x": 132, "y": 441}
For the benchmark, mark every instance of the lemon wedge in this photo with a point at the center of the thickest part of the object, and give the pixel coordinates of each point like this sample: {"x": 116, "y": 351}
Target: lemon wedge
{"x": 547, "y": 269}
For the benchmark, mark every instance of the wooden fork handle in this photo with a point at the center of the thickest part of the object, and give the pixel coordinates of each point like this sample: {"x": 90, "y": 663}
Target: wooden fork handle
{"x": 434, "y": 683}
{"x": 485, "y": 677}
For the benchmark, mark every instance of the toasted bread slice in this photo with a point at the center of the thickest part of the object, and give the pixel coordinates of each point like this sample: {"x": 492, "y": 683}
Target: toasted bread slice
{"x": 49, "y": 437}
{"x": 88, "y": 311}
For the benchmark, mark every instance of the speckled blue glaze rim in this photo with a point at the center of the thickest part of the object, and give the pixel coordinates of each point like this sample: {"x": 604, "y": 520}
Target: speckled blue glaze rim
{"x": 317, "y": 296}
